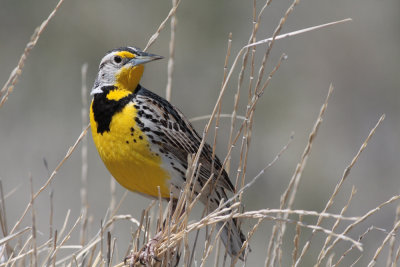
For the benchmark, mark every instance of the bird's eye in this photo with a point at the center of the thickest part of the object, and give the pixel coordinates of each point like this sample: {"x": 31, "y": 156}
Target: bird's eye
{"x": 117, "y": 59}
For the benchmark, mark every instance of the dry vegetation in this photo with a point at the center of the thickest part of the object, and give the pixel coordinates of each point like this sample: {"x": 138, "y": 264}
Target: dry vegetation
{"x": 179, "y": 234}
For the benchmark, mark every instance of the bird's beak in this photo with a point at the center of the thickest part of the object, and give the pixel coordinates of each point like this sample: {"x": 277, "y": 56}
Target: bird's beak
{"x": 144, "y": 58}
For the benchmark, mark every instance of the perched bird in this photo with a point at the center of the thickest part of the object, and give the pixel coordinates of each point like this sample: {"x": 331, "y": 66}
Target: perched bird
{"x": 144, "y": 140}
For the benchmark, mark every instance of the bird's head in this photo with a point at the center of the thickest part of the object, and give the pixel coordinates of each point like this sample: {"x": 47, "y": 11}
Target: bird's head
{"x": 122, "y": 68}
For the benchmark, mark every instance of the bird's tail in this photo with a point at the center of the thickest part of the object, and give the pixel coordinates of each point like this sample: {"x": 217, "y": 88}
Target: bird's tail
{"x": 232, "y": 237}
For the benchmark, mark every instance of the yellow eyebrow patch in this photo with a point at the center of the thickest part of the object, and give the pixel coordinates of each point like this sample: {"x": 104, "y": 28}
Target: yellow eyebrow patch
{"x": 126, "y": 54}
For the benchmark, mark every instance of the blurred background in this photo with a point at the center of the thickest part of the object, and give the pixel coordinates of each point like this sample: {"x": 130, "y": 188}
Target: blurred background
{"x": 42, "y": 117}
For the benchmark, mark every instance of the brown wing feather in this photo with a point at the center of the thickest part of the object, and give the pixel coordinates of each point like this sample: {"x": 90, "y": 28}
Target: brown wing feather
{"x": 183, "y": 138}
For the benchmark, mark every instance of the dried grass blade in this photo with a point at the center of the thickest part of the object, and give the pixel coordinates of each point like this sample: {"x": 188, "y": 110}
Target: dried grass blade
{"x": 13, "y": 79}
{"x": 339, "y": 185}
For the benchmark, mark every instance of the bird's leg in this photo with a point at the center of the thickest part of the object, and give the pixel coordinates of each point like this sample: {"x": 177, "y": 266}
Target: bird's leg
{"x": 146, "y": 253}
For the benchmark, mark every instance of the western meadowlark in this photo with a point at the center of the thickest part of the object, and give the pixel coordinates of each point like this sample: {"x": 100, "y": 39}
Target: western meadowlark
{"x": 144, "y": 140}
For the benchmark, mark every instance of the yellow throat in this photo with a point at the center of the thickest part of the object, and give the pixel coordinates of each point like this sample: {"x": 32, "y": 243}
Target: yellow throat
{"x": 120, "y": 141}
{"x": 128, "y": 78}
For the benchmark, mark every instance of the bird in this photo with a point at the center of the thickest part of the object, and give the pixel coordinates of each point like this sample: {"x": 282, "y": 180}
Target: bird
{"x": 144, "y": 140}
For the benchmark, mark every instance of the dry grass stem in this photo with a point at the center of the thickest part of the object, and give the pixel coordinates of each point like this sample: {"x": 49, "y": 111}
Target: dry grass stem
{"x": 117, "y": 207}
{"x": 5, "y": 249}
{"x": 84, "y": 156}
{"x": 288, "y": 196}
{"x": 360, "y": 220}
{"x": 17, "y": 71}
{"x": 34, "y": 258}
{"x": 168, "y": 90}
{"x": 385, "y": 241}
{"x": 224, "y": 214}
{"x": 338, "y": 220}
{"x": 66, "y": 238}
{"x": 10, "y": 237}
{"x": 3, "y": 218}
{"x": 261, "y": 213}
{"x": 394, "y": 263}
{"x": 64, "y": 226}
{"x": 355, "y": 262}
{"x": 206, "y": 117}
{"x": 339, "y": 185}
{"x": 296, "y": 241}
{"x": 222, "y": 91}
{"x": 389, "y": 260}
{"x": 217, "y": 121}
{"x": 255, "y": 178}
{"x": 352, "y": 247}
{"x": 290, "y": 34}
{"x": 69, "y": 152}
{"x": 154, "y": 37}
{"x": 10, "y": 192}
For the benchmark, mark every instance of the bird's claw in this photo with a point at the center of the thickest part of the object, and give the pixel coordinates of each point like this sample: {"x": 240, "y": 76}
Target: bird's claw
{"x": 145, "y": 255}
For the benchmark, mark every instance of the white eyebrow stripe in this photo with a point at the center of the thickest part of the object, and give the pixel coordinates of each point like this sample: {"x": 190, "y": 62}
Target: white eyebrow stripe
{"x": 105, "y": 59}
{"x": 133, "y": 48}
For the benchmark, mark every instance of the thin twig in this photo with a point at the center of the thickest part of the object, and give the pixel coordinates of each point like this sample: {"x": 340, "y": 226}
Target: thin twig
{"x": 84, "y": 156}
{"x": 339, "y": 185}
{"x": 289, "y": 194}
{"x": 328, "y": 238}
{"x": 69, "y": 152}
{"x": 384, "y": 242}
{"x": 362, "y": 218}
{"x": 290, "y": 34}
{"x": 154, "y": 37}
{"x": 34, "y": 232}
{"x": 12, "y": 236}
{"x": 389, "y": 260}
{"x": 352, "y": 246}
{"x": 171, "y": 60}
{"x": 66, "y": 238}
{"x": 206, "y": 117}
{"x": 296, "y": 241}
{"x": 13, "y": 79}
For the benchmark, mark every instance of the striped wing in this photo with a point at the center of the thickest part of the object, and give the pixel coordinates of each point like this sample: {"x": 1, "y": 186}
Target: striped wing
{"x": 178, "y": 137}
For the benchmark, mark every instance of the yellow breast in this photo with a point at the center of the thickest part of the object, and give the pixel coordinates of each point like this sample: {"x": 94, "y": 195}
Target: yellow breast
{"x": 125, "y": 150}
